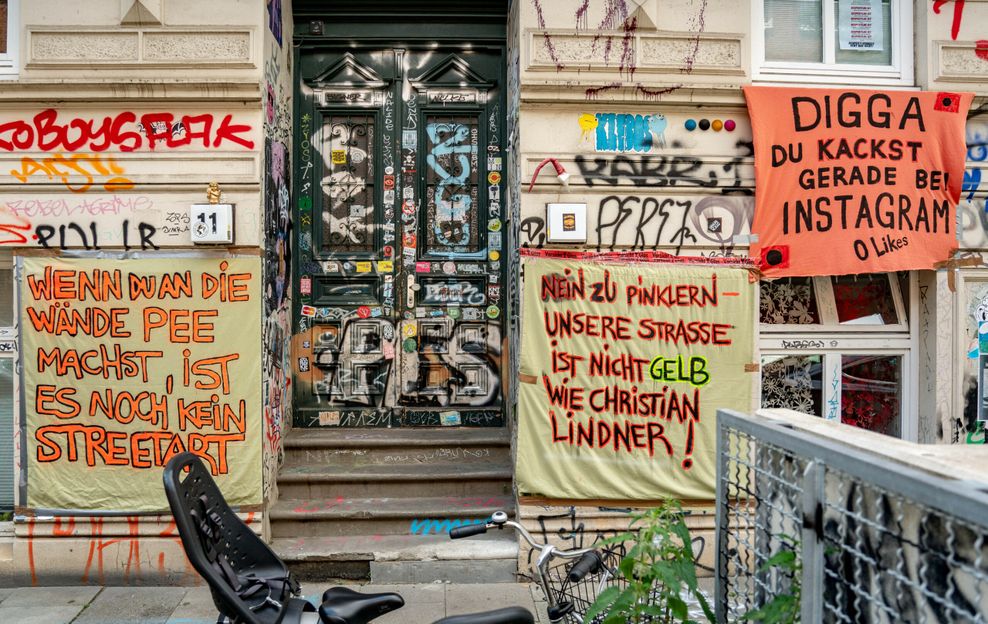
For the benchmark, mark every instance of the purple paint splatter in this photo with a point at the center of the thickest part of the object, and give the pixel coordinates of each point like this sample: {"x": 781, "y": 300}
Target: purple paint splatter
{"x": 549, "y": 46}
{"x": 593, "y": 92}
{"x": 581, "y": 15}
{"x": 700, "y": 24}
{"x": 655, "y": 94}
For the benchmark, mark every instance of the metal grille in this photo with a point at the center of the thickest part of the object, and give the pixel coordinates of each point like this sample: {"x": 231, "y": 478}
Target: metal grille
{"x": 872, "y": 540}
{"x": 348, "y": 214}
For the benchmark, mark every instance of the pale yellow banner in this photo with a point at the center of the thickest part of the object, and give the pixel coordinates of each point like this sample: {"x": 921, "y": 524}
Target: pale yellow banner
{"x": 623, "y": 367}
{"x": 129, "y": 362}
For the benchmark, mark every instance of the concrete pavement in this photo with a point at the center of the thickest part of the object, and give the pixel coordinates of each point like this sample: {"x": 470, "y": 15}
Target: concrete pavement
{"x": 193, "y": 605}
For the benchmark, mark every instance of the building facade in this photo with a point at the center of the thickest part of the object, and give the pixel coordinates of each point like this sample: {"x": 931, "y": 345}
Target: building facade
{"x": 379, "y": 169}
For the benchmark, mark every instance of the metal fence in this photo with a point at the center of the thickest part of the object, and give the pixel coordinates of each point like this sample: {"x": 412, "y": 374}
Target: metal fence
{"x": 851, "y": 536}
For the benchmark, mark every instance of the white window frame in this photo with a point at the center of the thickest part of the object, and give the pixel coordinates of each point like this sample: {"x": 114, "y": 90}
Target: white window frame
{"x": 832, "y": 341}
{"x": 827, "y": 312}
{"x": 899, "y": 73}
{"x": 9, "y": 66}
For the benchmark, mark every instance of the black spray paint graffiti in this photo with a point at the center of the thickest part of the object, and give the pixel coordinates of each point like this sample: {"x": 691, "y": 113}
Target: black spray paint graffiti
{"x": 670, "y": 171}
{"x": 650, "y": 223}
{"x": 615, "y": 210}
{"x": 456, "y": 364}
{"x": 352, "y": 367}
{"x": 74, "y": 234}
{"x": 445, "y": 364}
{"x": 574, "y": 535}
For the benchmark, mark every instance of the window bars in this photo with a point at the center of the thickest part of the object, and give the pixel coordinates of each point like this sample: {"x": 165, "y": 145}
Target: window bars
{"x": 852, "y": 536}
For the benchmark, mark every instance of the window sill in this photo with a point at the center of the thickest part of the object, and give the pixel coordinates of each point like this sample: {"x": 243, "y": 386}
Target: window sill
{"x": 832, "y": 77}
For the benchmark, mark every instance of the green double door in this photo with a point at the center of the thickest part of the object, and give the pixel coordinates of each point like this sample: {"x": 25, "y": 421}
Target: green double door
{"x": 399, "y": 204}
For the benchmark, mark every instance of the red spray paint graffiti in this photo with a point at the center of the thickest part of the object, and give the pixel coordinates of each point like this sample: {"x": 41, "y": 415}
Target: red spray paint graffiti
{"x": 46, "y": 133}
{"x": 981, "y": 49}
{"x": 955, "y": 25}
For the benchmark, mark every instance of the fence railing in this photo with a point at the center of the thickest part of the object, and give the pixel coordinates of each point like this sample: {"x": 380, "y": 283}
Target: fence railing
{"x": 851, "y": 535}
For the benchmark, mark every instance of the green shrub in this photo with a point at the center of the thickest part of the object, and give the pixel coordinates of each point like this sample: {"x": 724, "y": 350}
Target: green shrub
{"x": 659, "y": 570}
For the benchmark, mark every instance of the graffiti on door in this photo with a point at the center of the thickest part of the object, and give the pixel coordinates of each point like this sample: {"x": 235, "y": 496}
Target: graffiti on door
{"x": 452, "y": 191}
{"x": 399, "y": 274}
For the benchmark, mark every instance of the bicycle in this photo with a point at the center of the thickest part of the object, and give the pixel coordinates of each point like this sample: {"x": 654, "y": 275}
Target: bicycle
{"x": 569, "y": 589}
{"x": 249, "y": 583}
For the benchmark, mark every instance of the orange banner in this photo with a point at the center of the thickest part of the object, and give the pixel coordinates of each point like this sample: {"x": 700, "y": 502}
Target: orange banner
{"x": 852, "y": 181}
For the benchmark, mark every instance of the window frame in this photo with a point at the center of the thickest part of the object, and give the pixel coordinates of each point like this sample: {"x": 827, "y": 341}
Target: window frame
{"x": 827, "y": 309}
{"x": 833, "y": 341}
{"x": 899, "y": 73}
{"x": 9, "y": 66}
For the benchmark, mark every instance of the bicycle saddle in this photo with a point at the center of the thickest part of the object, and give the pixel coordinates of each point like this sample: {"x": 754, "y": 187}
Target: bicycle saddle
{"x": 341, "y": 605}
{"x": 510, "y": 615}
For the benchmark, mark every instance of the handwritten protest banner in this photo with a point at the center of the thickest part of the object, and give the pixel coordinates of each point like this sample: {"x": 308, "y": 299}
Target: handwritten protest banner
{"x": 126, "y": 365}
{"x": 623, "y": 367}
{"x": 852, "y": 181}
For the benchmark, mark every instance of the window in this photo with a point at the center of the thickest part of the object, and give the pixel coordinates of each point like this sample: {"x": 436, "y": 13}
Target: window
{"x": 9, "y": 38}
{"x": 833, "y": 41}
{"x": 841, "y": 348}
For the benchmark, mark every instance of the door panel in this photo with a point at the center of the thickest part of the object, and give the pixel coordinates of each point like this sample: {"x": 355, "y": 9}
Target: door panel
{"x": 452, "y": 189}
{"x": 399, "y": 278}
{"x": 349, "y": 203}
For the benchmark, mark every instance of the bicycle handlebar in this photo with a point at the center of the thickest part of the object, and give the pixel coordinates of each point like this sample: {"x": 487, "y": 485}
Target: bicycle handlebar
{"x": 589, "y": 562}
{"x": 500, "y": 520}
{"x": 467, "y": 531}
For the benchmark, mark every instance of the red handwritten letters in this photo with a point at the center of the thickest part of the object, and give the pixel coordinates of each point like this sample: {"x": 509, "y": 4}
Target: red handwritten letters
{"x": 47, "y": 132}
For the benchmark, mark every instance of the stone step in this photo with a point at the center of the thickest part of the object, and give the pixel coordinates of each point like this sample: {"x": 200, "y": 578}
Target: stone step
{"x": 381, "y": 516}
{"x": 397, "y": 446}
{"x": 381, "y": 436}
{"x": 371, "y": 480}
{"x": 491, "y": 558}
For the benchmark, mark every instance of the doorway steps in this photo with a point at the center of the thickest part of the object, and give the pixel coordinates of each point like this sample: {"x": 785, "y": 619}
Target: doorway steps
{"x": 377, "y": 504}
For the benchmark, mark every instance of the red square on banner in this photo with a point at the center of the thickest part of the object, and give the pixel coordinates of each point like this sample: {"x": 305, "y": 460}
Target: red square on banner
{"x": 947, "y": 102}
{"x": 776, "y": 257}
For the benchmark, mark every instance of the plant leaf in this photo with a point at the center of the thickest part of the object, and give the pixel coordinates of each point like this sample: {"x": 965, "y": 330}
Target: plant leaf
{"x": 604, "y": 600}
{"x": 782, "y": 559}
{"x": 678, "y": 608}
{"x": 707, "y": 611}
